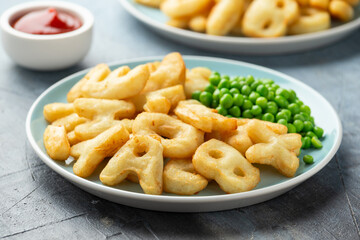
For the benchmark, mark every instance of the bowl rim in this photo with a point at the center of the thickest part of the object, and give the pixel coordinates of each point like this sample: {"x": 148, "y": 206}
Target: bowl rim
{"x": 85, "y": 183}
{"x": 81, "y": 12}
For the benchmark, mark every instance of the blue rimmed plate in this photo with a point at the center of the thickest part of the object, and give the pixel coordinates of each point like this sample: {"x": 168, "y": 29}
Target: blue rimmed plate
{"x": 156, "y": 20}
{"x": 212, "y": 198}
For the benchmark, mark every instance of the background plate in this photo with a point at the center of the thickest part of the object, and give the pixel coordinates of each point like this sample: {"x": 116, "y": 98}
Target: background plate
{"x": 155, "y": 19}
{"x": 212, "y": 198}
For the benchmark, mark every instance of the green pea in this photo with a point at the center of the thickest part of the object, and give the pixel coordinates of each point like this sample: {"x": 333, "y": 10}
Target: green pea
{"x": 266, "y": 81}
{"x": 281, "y": 101}
{"x": 249, "y": 79}
{"x": 305, "y": 115}
{"x": 271, "y": 96}
{"x": 308, "y": 126}
{"x": 282, "y": 92}
{"x": 206, "y": 98}
{"x": 238, "y": 100}
{"x": 310, "y": 134}
{"x": 318, "y": 131}
{"x": 268, "y": 117}
{"x": 255, "y": 84}
{"x": 298, "y": 102}
{"x": 258, "y": 116}
{"x": 196, "y": 95}
{"x": 214, "y": 80}
{"x": 221, "y": 110}
{"x": 262, "y": 90}
{"x": 210, "y": 88}
{"x": 226, "y": 101}
{"x": 281, "y": 115}
{"x": 214, "y": 103}
{"x": 287, "y": 112}
{"x": 305, "y": 109}
{"x": 256, "y": 110}
{"x": 282, "y": 121}
{"x": 224, "y": 91}
{"x": 215, "y": 73}
{"x": 245, "y": 90}
{"x": 299, "y": 125}
{"x": 291, "y": 128}
{"x": 312, "y": 120}
{"x": 235, "y": 111}
{"x": 247, "y": 114}
{"x": 299, "y": 117}
{"x": 236, "y": 78}
{"x": 236, "y": 85}
{"x": 262, "y": 102}
{"x": 224, "y": 83}
{"x": 234, "y": 91}
{"x": 272, "y": 104}
{"x": 229, "y": 116}
{"x": 227, "y": 77}
{"x": 294, "y": 108}
{"x": 292, "y": 96}
{"x": 275, "y": 87}
{"x": 242, "y": 79}
{"x": 253, "y": 96}
{"x": 247, "y": 104}
{"x": 308, "y": 159}
{"x": 216, "y": 95}
{"x": 316, "y": 142}
{"x": 306, "y": 142}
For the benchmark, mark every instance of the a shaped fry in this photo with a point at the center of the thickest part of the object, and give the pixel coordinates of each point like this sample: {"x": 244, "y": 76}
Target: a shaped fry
{"x": 179, "y": 139}
{"x": 272, "y": 149}
{"x": 170, "y": 72}
{"x": 181, "y": 178}
{"x": 54, "y": 111}
{"x": 141, "y": 155}
{"x": 203, "y": 118}
{"x": 56, "y": 144}
{"x": 219, "y": 161}
{"x": 93, "y": 152}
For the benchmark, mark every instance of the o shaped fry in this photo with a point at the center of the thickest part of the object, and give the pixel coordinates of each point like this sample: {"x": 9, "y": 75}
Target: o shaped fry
{"x": 181, "y": 178}
{"x": 341, "y": 10}
{"x": 311, "y": 20}
{"x": 264, "y": 19}
{"x": 223, "y": 163}
{"x": 141, "y": 155}
{"x": 224, "y": 16}
{"x": 179, "y": 139}
{"x": 183, "y": 8}
{"x": 56, "y": 143}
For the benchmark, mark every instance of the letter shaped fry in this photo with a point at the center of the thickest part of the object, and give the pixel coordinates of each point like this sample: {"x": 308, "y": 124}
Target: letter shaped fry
{"x": 141, "y": 155}
{"x": 272, "y": 149}
{"x": 93, "y": 152}
{"x": 219, "y": 161}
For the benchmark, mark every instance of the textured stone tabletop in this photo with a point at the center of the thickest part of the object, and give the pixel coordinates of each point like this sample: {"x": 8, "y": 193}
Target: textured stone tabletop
{"x": 37, "y": 203}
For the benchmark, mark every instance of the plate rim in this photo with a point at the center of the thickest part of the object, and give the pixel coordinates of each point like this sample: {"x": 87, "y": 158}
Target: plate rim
{"x": 291, "y": 182}
{"x": 352, "y": 25}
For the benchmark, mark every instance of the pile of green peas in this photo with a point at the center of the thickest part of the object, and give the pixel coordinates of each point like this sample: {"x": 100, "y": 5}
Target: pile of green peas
{"x": 247, "y": 97}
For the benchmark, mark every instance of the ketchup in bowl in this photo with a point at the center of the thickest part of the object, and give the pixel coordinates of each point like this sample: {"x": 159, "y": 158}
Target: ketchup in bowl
{"x": 48, "y": 21}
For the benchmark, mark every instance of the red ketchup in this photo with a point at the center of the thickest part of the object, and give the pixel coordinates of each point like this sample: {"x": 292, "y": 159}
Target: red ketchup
{"x": 49, "y": 21}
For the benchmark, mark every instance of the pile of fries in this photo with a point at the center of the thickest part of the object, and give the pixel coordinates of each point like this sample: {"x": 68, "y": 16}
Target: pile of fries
{"x": 140, "y": 120}
{"x": 254, "y": 18}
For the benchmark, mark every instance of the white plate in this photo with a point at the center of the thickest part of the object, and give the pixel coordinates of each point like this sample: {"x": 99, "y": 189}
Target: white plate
{"x": 155, "y": 19}
{"x": 212, "y": 198}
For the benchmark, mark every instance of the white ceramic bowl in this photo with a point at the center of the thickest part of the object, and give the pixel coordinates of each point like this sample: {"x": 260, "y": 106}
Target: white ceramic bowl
{"x": 46, "y": 52}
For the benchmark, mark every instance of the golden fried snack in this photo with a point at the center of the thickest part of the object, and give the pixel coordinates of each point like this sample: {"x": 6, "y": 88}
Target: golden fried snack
{"x": 181, "y": 178}
{"x": 56, "y": 144}
{"x": 119, "y": 84}
{"x": 264, "y": 18}
{"x": 272, "y": 149}
{"x": 163, "y": 100}
{"x": 183, "y": 8}
{"x": 179, "y": 22}
{"x": 321, "y": 4}
{"x": 141, "y": 155}
{"x": 303, "y": 3}
{"x": 179, "y": 139}
{"x": 54, "y": 111}
{"x": 274, "y": 127}
{"x": 96, "y": 74}
{"x": 196, "y": 80}
{"x": 290, "y": 8}
{"x": 170, "y": 72}
{"x": 72, "y": 138}
{"x": 69, "y": 122}
{"x": 194, "y": 113}
{"x": 198, "y": 23}
{"x": 352, "y": 2}
{"x": 341, "y": 10}
{"x": 94, "y": 109}
{"x": 237, "y": 29}
{"x": 219, "y": 161}
{"x": 224, "y": 16}
{"x": 150, "y": 3}
{"x": 311, "y": 20}
{"x": 93, "y": 152}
